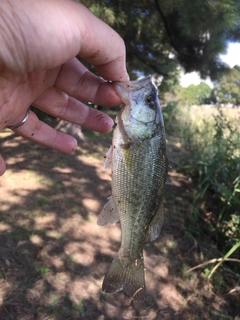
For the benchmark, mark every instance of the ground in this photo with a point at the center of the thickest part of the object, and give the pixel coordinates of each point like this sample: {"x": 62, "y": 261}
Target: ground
{"x": 53, "y": 256}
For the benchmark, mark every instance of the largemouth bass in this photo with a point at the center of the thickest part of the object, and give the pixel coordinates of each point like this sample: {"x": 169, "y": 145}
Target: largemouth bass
{"x": 138, "y": 161}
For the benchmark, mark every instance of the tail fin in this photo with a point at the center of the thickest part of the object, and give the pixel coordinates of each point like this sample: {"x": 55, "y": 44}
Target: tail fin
{"x": 127, "y": 275}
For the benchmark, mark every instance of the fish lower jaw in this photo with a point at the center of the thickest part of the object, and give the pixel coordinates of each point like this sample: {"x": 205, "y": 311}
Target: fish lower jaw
{"x": 132, "y": 119}
{"x": 139, "y": 131}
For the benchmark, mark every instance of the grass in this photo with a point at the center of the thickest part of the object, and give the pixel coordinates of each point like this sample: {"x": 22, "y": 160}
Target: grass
{"x": 212, "y": 138}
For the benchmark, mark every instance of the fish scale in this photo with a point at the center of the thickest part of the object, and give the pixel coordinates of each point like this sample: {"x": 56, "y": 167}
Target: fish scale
{"x": 141, "y": 188}
{"x": 138, "y": 161}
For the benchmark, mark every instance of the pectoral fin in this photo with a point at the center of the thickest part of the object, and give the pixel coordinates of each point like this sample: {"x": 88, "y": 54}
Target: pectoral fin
{"x": 108, "y": 215}
{"x": 108, "y": 159}
{"x": 155, "y": 226}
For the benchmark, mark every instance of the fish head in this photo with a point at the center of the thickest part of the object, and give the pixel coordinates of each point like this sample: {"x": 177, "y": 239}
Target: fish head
{"x": 141, "y": 113}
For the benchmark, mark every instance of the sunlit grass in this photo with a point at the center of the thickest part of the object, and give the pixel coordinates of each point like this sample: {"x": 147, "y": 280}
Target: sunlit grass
{"x": 212, "y": 138}
{"x": 199, "y": 128}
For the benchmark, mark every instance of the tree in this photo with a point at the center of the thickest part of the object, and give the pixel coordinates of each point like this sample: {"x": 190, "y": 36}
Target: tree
{"x": 160, "y": 35}
{"x": 195, "y": 94}
{"x": 227, "y": 89}
{"x": 203, "y": 93}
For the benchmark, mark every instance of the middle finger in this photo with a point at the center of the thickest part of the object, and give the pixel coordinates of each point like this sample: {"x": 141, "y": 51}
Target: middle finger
{"x": 78, "y": 82}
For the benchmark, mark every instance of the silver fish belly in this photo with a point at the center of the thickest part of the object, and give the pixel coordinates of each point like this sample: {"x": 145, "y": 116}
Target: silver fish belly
{"x": 138, "y": 161}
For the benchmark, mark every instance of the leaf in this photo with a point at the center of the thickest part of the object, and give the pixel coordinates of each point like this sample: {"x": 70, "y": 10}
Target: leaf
{"x": 233, "y": 249}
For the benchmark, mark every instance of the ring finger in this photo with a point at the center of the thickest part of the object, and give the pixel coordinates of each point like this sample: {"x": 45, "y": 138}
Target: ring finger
{"x": 35, "y": 130}
{"x": 61, "y": 105}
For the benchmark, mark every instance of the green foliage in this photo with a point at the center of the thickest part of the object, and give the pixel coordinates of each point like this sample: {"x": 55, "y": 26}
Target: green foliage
{"x": 160, "y": 35}
{"x": 228, "y": 254}
{"x": 170, "y": 114}
{"x": 222, "y": 315}
{"x": 79, "y": 307}
{"x": 195, "y": 94}
{"x": 212, "y": 138}
{"x": 227, "y": 89}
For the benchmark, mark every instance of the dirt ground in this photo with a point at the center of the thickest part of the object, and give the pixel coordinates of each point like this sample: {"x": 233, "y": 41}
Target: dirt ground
{"x": 53, "y": 256}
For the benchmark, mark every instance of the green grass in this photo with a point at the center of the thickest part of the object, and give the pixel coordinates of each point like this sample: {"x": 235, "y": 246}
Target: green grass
{"x": 212, "y": 138}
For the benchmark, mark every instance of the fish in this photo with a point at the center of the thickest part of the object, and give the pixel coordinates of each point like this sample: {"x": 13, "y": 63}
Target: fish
{"x": 138, "y": 160}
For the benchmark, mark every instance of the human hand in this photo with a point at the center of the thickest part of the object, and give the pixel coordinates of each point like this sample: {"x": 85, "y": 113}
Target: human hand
{"x": 39, "y": 40}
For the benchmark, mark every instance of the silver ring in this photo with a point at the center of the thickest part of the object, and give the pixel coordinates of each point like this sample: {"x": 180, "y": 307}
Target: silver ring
{"x": 22, "y": 122}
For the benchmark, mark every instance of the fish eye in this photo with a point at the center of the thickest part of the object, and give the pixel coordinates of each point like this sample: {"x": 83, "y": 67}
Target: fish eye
{"x": 149, "y": 99}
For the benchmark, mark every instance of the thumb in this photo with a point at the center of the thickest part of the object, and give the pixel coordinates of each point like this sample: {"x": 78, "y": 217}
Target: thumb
{"x": 103, "y": 47}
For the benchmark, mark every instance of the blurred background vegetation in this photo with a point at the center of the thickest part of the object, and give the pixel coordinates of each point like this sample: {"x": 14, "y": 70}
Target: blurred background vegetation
{"x": 162, "y": 36}
{"x": 165, "y": 38}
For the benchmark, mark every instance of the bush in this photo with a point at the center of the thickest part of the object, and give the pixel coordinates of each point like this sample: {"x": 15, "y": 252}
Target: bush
{"x": 212, "y": 137}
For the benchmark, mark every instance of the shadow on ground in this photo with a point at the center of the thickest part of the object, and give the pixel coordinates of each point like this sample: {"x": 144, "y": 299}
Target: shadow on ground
{"x": 53, "y": 256}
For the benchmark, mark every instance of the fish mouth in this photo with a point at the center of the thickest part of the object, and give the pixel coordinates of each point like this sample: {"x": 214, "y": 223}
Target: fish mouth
{"x": 139, "y": 84}
{"x": 128, "y": 89}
